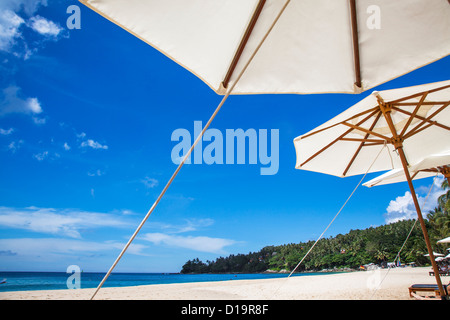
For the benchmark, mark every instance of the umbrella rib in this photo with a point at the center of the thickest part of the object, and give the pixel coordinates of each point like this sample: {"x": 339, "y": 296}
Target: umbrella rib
{"x": 336, "y": 124}
{"x": 337, "y": 139}
{"x": 355, "y": 42}
{"x": 418, "y": 94}
{"x": 243, "y": 43}
{"x": 424, "y": 120}
{"x": 425, "y": 103}
{"x": 419, "y": 130}
{"x": 429, "y": 170}
{"x": 416, "y": 109}
{"x": 361, "y": 145}
{"x": 414, "y": 175}
{"x": 375, "y": 141}
{"x": 370, "y": 144}
{"x": 357, "y": 127}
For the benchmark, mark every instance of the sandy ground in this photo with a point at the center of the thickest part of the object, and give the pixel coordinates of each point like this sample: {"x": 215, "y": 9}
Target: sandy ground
{"x": 362, "y": 285}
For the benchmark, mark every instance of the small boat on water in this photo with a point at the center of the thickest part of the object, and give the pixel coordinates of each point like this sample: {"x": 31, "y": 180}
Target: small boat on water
{"x": 3, "y": 281}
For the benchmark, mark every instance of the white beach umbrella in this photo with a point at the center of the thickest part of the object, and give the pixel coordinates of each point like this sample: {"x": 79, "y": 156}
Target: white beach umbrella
{"x": 316, "y": 46}
{"x": 445, "y": 240}
{"x": 436, "y": 254}
{"x": 408, "y": 123}
{"x": 429, "y": 166}
{"x": 415, "y": 119}
{"x": 283, "y": 46}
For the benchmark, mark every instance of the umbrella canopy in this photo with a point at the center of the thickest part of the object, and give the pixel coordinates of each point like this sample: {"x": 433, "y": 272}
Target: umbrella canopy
{"x": 418, "y": 118}
{"x": 436, "y": 254}
{"x": 429, "y": 166}
{"x": 445, "y": 240}
{"x": 316, "y": 46}
{"x": 414, "y": 122}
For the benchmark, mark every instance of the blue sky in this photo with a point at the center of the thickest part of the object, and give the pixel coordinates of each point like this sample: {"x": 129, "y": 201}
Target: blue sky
{"x": 86, "y": 118}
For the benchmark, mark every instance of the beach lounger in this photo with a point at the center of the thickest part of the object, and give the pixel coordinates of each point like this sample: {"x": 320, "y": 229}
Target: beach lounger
{"x": 426, "y": 288}
{"x": 441, "y": 273}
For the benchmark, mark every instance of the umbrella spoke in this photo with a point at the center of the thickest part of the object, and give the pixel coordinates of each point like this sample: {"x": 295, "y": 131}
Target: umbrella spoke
{"x": 372, "y": 112}
{"x": 243, "y": 43}
{"x": 370, "y": 132}
{"x": 373, "y": 141}
{"x": 355, "y": 42}
{"x": 413, "y": 114}
{"x": 430, "y": 170}
{"x": 362, "y": 144}
{"x": 337, "y": 139}
{"x": 425, "y": 120}
{"x": 370, "y": 144}
{"x": 418, "y": 94}
{"x": 421, "y": 129}
{"x": 425, "y": 103}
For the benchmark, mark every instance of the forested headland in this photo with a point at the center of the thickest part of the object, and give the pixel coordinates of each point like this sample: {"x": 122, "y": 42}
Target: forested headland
{"x": 378, "y": 245}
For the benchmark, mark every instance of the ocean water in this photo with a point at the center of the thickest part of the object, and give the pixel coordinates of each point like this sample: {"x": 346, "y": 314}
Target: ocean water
{"x": 26, "y": 281}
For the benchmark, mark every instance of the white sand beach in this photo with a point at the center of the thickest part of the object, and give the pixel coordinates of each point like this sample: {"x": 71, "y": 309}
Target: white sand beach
{"x": 361, "y": 285}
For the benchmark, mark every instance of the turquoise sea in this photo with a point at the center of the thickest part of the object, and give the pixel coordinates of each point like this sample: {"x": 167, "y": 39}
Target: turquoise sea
{"x": 26, "y": 281}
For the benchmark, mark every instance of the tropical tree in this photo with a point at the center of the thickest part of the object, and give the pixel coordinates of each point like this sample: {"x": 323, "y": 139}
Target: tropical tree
{"x": 439, "y": 218}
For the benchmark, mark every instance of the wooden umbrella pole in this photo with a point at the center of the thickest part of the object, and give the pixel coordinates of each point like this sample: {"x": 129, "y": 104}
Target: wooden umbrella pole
{"x": 422, "y": 222}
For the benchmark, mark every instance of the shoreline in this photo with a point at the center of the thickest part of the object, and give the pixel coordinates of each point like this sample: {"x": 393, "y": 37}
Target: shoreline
{"x": 381, "y": 284}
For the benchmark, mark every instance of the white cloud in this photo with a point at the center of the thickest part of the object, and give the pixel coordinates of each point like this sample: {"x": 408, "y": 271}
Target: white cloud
{"x": 150, "y": 182}
{"x": 41, "y": 156}
{"x": 203, "y": 244}
{"x": 15, "y": 145}
{"x": 403, "y": 208}
{"x": 11, "y": 102}
{"x": 65, "y": 222}
{"x": 52, "y": 248}
{"x": 172, "y": 238}
{"x": 6, "y": 132}
{"x": 28, "y": 6}
{"x": 189, "y": 225}
{"x": 10, "y": 23}
{"x": 127, "y": 212}
{"x": 81, "y": 135}
{"x": 93, "y": 144}
{"x": 66, "y": 146}
{"x": 96, "y": 173}
{"x": 39, "y": 121}
{"x": 34, "y": 105}
{"x": 89, "y": 143}
{"x": 15, "y": 16}
{"x": 44, "y": 27}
